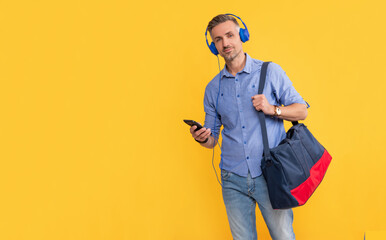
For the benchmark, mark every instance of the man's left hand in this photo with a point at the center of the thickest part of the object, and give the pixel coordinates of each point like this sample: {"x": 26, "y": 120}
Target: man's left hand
{"x": 260, "y": 103}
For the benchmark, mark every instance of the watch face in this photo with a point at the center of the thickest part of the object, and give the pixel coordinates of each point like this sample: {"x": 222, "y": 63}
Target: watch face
{"x": 278, "y": 110}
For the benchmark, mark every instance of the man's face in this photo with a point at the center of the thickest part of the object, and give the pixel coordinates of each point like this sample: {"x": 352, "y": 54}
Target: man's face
{"x": 227, "y": 40}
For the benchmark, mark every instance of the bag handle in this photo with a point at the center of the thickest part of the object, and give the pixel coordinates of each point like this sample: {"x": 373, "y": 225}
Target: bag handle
{"x": 263, "y": 74}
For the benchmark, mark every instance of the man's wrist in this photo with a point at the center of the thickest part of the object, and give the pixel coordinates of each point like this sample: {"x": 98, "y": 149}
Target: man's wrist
{"x": 273, "y": 111}
{"x": 277, "y": 111}
{"x": 205, "y": 141}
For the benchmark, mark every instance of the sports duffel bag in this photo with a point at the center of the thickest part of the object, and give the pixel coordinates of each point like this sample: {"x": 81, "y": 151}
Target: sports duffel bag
{"x": 294, "y": 169}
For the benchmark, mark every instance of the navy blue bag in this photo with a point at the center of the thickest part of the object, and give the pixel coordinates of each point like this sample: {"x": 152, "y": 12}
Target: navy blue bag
{"x": 294, "y": 169}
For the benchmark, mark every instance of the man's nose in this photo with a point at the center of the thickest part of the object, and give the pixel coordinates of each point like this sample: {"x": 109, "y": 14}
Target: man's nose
{"x": 225, "y": 43}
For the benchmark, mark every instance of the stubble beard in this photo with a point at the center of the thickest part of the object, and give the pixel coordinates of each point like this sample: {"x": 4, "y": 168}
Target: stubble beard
{"x": 231, "y": 57}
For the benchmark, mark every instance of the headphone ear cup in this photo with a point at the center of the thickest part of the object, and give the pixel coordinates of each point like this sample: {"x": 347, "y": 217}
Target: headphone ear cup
{"x": 244, "y": 34}
{"x": 213, "y": 48}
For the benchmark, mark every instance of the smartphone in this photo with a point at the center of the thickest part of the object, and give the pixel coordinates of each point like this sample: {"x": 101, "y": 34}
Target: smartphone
{"x": 193, "y": 123}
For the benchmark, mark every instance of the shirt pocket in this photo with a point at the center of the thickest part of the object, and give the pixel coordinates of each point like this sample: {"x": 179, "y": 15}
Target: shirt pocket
{"x": 252, "y": 89}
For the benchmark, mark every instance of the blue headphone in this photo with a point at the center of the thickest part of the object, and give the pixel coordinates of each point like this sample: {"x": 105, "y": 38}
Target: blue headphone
{"x": 244, "y": 36}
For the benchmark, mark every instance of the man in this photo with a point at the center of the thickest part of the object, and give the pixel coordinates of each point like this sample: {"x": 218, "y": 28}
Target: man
{"x": 231, "y": 100}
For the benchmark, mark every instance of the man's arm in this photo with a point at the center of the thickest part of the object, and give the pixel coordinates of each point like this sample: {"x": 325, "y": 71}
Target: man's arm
{"x": 293, "y": 112}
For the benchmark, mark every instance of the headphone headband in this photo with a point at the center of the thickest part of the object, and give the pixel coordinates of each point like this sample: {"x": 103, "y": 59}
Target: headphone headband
{"x": 244, "y": 35}
{"x": 238, "y": 18}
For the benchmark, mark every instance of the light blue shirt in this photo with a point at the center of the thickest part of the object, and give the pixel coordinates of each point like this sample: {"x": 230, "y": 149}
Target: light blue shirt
{"x": 242, "y": 144}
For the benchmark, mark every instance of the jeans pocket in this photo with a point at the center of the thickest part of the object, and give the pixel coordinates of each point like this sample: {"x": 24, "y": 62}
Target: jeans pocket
{"x": 225, "y": 174}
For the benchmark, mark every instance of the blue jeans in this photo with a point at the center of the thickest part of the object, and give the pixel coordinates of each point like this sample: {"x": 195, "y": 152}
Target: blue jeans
{"x": 240, "y": 196}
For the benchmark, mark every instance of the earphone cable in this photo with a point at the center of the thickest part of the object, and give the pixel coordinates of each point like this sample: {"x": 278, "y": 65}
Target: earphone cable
{"x": 214, "y": 136}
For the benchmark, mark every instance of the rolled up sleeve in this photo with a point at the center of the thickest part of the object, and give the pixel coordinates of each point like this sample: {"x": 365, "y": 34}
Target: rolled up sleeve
{"x": 283, "y": 89}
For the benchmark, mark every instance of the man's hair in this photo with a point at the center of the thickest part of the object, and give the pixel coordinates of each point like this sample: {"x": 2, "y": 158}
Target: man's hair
{"x": 221, "y": 19}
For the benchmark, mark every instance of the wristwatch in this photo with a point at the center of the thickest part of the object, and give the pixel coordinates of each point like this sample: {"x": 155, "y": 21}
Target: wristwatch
{"x": 277, "y": 111}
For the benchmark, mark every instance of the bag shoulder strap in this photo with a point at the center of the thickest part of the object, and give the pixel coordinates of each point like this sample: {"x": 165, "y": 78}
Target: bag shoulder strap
{"x": 263, "y": 74}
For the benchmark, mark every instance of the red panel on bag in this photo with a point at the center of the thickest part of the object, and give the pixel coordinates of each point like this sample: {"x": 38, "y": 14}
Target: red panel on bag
{"x": 304, "y": 191}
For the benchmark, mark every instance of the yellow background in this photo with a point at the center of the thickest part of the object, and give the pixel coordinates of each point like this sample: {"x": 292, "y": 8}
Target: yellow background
{"x": 93, "y": 93}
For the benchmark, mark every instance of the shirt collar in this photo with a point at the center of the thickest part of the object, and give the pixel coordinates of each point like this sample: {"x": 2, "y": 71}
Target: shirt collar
{"x": 247, "y": 68}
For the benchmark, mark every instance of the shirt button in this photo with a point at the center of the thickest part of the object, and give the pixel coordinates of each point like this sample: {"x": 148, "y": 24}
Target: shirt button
{"x": 243, "y": 127}
{"x": 236, "y": 79}
{"x": 247, "y": 157}
{"x": 238, "y": 95}
{"x": 245, "y": 142}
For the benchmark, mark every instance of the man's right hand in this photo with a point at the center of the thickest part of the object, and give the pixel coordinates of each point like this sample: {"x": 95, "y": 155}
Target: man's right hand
{"x": 200, "y": 135}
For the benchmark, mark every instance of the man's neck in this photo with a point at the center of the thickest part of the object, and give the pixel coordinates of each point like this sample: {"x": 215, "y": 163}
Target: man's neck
{"x": 237, "y": 64}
